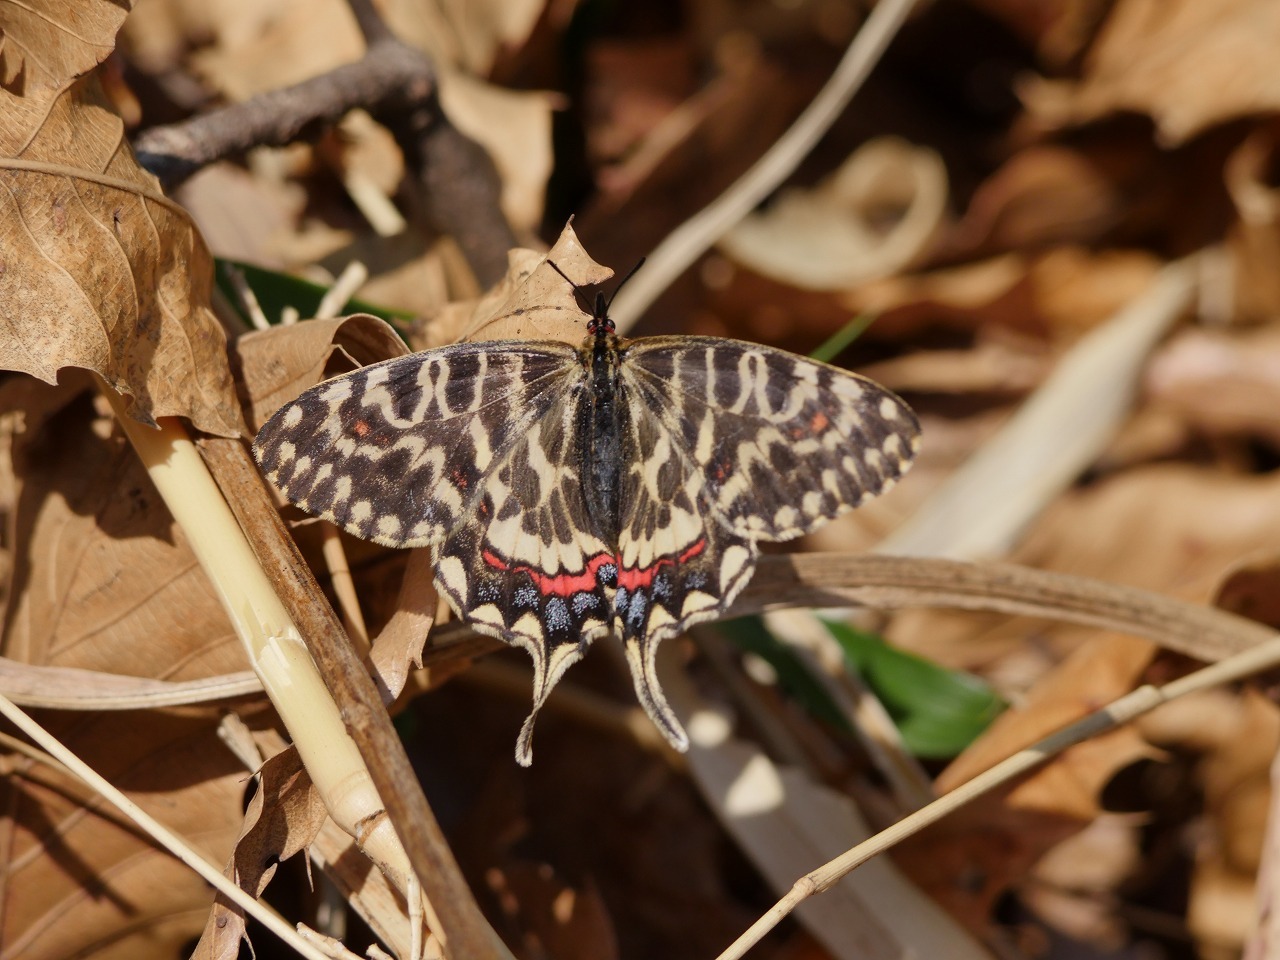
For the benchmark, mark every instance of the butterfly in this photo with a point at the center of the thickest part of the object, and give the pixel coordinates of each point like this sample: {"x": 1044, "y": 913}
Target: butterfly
{"x": 572, "y": 491}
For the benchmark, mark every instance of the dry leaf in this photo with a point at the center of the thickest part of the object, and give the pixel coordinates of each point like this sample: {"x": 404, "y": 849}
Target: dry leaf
{"x": 399, "y": 643}
{"x": 79, "y": 879}
{"x": 283, "y": 818}
{"x": 877, "y": 215}
{"x": 46, "y": 43}
{"x": 543, "y": 305}
{"x": 102, "y": 579}
{"x": 1190, "y": 64}
{"x": 99, "y": 270}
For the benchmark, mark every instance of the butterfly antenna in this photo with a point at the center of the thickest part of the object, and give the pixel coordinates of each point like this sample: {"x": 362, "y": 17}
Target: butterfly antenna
{"x": 623, "y": 282}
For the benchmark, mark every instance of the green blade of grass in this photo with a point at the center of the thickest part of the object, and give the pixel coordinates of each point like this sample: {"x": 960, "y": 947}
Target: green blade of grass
{"x": 276, "y": 290}
{"x": 938, "y": 711}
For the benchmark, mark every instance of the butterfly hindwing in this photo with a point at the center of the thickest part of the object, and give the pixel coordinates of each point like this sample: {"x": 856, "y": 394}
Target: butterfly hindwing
{"x": 395, "y": 452}
{"x": 529, "y": 567}
{"x": 676, "y": 567}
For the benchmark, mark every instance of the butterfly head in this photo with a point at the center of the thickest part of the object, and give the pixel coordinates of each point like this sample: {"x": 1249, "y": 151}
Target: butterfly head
{"x": 600, "y": 324}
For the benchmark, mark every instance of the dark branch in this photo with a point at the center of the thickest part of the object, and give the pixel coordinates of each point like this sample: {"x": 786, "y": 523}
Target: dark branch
{"x": 396, "y": 83}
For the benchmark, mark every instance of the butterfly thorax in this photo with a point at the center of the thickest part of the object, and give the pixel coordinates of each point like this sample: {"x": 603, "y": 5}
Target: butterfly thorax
{"x": 602, "y": 426}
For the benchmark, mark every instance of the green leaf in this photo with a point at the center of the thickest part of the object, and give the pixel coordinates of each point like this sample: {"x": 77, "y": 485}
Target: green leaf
{"x": 938, "y": 711}
{"x": 276, "y": 290}
{"x": 794, "y": 677}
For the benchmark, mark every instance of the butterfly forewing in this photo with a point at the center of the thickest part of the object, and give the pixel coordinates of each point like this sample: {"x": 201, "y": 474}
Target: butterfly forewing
{"x": 782, "y": 443}
{"x": 396, "y": 452}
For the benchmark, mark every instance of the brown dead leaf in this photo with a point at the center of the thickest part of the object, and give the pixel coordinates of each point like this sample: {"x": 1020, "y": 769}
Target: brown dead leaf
{"x": 877, "y": 215}
{"x": 1097, "y": 673}
{"x": 283, "y": 818}
{"x": 1254, "y": 240}
{"x": 1220, "y": 383}
{"x": 77, "y": 879}
{"x": 46, "y": 43}
{"x": 99, "y": 270}
{"x": 277, "y": 364}
{"x": 542, "y": 304}
{"x": 400, "y": 642}
{"x": 102, "y": 578}
{"x": 1187, "y": 63}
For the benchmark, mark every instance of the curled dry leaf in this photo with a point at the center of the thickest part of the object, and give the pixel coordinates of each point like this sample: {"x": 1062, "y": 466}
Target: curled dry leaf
{"x": 1254, "y": 240}
{"x": 99, "y": 270}
{"x": 47, "y": 43}
{"x": 283, "y": 818}
{"x": 540, "y": 305}
{"x": 1186, "y": 63}
{"x": 875, "y": 216}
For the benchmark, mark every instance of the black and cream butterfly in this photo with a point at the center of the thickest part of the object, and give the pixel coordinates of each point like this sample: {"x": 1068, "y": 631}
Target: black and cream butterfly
{"x": 568, "y": 492}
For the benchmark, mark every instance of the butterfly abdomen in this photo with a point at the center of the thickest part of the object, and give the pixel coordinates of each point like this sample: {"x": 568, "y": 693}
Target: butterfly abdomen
{"x": 601, "y": 432}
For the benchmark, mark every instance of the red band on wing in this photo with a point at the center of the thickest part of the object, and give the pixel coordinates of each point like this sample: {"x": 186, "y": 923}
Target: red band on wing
{"x": 643, "y": 576}
{"x": 560, "y": 585}
{"x": 567, "y": 584}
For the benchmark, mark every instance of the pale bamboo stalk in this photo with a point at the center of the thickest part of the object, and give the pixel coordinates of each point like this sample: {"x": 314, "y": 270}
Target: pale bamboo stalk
{"x": 272, "y": 641}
